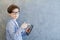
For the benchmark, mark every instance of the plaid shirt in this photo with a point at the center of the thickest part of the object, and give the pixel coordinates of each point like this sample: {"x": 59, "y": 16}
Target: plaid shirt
{"x": 13, "y": 31}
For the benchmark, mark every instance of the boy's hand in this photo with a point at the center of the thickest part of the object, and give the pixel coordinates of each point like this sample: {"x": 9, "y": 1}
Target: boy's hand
{"x": 24, "y": 25}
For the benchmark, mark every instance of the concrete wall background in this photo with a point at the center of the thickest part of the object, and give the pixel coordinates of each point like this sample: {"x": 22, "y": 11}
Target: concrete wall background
{"x": 43, "y": 14}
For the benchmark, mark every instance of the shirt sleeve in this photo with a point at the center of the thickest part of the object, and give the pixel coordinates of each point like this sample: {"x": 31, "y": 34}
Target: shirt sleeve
{"x": 23, "y": 33}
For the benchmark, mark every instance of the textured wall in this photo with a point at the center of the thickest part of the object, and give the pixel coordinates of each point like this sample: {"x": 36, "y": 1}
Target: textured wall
{"x": 43, "y": 14}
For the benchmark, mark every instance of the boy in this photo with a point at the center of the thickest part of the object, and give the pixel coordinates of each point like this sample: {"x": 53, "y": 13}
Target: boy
{"x": 13, "y": 31}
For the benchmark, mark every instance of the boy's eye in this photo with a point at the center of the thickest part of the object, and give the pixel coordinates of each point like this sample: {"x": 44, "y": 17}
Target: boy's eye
{"x": 15, "y": 12}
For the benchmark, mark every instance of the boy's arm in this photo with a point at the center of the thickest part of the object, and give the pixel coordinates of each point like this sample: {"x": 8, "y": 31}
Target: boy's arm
{"x": 27, "y": 28}
{"x": 23, "y": 29}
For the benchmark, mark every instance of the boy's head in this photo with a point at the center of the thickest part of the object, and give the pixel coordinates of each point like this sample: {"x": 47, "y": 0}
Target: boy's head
{"x": 13, "y": 11}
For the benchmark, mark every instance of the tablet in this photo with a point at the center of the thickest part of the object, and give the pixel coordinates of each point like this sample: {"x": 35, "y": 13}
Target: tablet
{"x": 30, "y": 27}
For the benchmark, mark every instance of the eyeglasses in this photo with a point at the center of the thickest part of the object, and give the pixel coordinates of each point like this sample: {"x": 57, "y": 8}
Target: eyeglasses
{"x": 16, "y": 12}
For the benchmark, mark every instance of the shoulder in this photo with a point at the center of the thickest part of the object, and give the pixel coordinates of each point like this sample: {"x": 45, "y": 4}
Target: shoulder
{"x": 10, "y": 23}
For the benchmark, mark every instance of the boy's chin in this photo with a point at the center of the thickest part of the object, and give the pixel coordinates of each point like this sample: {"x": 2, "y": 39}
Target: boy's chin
{"x": 16, "y": 18}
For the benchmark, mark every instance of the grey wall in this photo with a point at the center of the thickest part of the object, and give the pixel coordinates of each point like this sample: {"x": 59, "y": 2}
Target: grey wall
{"x": 43, "y": 14}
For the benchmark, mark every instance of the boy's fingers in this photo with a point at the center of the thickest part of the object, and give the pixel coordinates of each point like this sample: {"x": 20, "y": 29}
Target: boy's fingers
{"x": 24, "y": 25}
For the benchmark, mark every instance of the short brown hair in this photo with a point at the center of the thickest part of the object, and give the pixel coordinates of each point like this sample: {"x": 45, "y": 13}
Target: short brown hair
{"x": 12, "y": 7}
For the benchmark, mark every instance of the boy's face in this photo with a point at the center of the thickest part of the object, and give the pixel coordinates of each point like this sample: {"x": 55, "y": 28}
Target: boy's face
{"x": 15, "y": 13}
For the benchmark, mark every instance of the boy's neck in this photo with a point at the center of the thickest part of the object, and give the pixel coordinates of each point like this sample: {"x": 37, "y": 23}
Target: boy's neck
{"x": 13, "y": 19}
